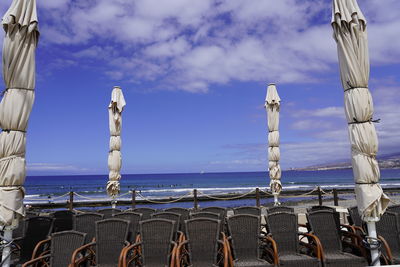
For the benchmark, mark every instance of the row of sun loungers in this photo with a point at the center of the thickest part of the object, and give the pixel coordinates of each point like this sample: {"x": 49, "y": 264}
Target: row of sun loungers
{"x": 207, "y": 237}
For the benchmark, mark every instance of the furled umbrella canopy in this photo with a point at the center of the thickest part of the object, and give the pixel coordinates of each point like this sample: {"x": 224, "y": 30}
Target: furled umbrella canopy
{"x": 350, "y": 33}
{"x": 115, "y": 109}
{"x": 20, "y": 42}
{"x": 272, "y": 105}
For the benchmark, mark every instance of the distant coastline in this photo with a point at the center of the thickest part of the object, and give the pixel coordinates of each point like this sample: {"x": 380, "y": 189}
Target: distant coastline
{"x": 385, "y": 162}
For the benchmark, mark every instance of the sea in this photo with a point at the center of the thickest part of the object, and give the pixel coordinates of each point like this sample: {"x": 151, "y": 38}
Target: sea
{"x": 175, "y": 185}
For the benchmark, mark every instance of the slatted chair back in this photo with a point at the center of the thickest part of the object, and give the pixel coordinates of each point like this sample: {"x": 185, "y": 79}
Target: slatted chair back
{"x": 176, "y": 217}
{"x": 63, "y": 245}
{"x": 219, "y": 210}
{"x": 355, "y": 216}
{"x": 324, "y": 226}
{"x": 85, "y": 223}
{"x": 205, "y": 214}
{"x": 394, "y": 208}
{"x": 202, "y": 235}
{"x": 156, "y": 237}
{"x": 185, "y": 213}
{"x": 108, "y": 212}
{"x": 247, "y": 210}
{"x": 134, "y": 218}
{"x": 146, "y": 212}
{"x": 37, "y": 229}
{"x": 245, "y": 232}
{"x": 279, "y": 209}
{"x": 111, "y": 235}
{"x": 389, "y": 228}
{"x": 63, "y": 220}
{"x": 284, "y": 227}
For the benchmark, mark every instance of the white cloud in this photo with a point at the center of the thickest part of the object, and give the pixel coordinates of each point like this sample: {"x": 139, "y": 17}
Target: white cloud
{"x": 190, "y": 45}
{"x": 53, "y": 167}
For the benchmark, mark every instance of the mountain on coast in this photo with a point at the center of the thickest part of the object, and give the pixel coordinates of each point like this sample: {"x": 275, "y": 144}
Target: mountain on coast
{"x": 390, "y": 161}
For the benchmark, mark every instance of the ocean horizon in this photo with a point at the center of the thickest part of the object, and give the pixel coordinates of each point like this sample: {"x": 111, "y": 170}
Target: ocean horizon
{"x": 178, "y": 184}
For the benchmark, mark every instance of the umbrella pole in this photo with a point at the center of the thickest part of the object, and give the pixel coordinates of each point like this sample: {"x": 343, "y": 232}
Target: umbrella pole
{"x": 276, "y": 201}
{"x": 375, "y": 250}
{"x": 6, "y": 256}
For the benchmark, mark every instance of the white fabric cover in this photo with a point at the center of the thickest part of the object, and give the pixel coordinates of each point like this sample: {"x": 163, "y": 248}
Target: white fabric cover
{"x": 272, "y": 105}
{"x": 115, "y": 109}
{"x": 349, "y": 27}
{"x": 20, "y": 42}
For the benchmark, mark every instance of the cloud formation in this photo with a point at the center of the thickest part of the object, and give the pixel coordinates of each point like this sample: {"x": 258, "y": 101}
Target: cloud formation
{"x": 192, "y": 45}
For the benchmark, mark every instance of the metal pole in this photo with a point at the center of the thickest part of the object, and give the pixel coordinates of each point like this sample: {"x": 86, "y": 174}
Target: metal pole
{"x": 335, "y": 197}
{"x": 133, "y": 199}
{"x": 195, "y": 199}
{"x": 6, "y": 256}
{"x": 258, "y": 197}
{"x": 375, "y": 251}
{"x": 71, "y": 201}
{"x": 319, "y": 196}
{"x": 276, "y": 201}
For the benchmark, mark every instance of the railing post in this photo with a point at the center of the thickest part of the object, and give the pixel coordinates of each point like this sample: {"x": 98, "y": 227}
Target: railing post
{"x": 133, "y": 199}
{"x": 319, "y": 196}
{"x": 195, "y": 203}
{"x": 257, "y": 197}
{"x": 335, "y": 197}
{"x": 71, "y": 201}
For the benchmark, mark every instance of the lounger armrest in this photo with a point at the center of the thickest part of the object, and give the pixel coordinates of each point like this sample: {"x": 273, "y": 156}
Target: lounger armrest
{"x": 124, "y": 253}
{"x": 74, "y": 260}
{"x": 356, "y": 242}
{"x": 35, "y": 260}
{"x": 228, "y": 257}
{"x": 35, "y": 253}
{"x": 179, "y": 252}
{"x": 387, "y": 249}
{"x": 318, "y": 250}
{"x": 271, "y": 241}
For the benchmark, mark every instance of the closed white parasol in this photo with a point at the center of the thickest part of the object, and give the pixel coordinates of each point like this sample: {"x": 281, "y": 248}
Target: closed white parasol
{"x": 272, "y": 105}
{"x": 350, "y": 33}
{"x": 115, "y": 109}
{"x": 20, "y": 42}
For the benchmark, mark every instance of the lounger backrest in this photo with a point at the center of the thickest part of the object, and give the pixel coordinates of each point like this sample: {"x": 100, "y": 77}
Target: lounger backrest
{"x": 108, "y": 212}
{"x": 279, "y": 209}
{"x": 389, "y": 228}
{"x": 184, "y": 215}
{"x": 202, "y": 235}
{"x": 204, "y": 214}
{"x": 219, "y": 210}
{"x": 156, "y": 237}
{"x": 146, "y": 212}
{"x": 247, "y": 210}
{"x": 111, "y": 235}
{"x": 245, "y": 232}
{"x": 63, "y": 220}
{"x": 63, "y": 245}
{"x": 169, "y": 216}
{"x": 324, "y": 226}
{"x": 37, "y": 229}
{"x": 355, "y": 216}
{"x": 394, "y": 208}
{"x": 284, "y": 227}
{"x": 134, "y": 218}
{"x": 85, "y": 223}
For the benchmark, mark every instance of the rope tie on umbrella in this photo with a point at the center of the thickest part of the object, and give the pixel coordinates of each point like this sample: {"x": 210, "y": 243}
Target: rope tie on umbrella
{"x": 11, "y": 157}
{"x": 355, "y": 121}
{"x": 354, "y": 87}
{"x": 15, "y": 88}
{"x": 366, "y": 183}
{"x": 13, "y": 130}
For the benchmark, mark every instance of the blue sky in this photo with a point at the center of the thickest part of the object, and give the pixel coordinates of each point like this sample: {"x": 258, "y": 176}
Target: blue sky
{"x": 194, "y": 75}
